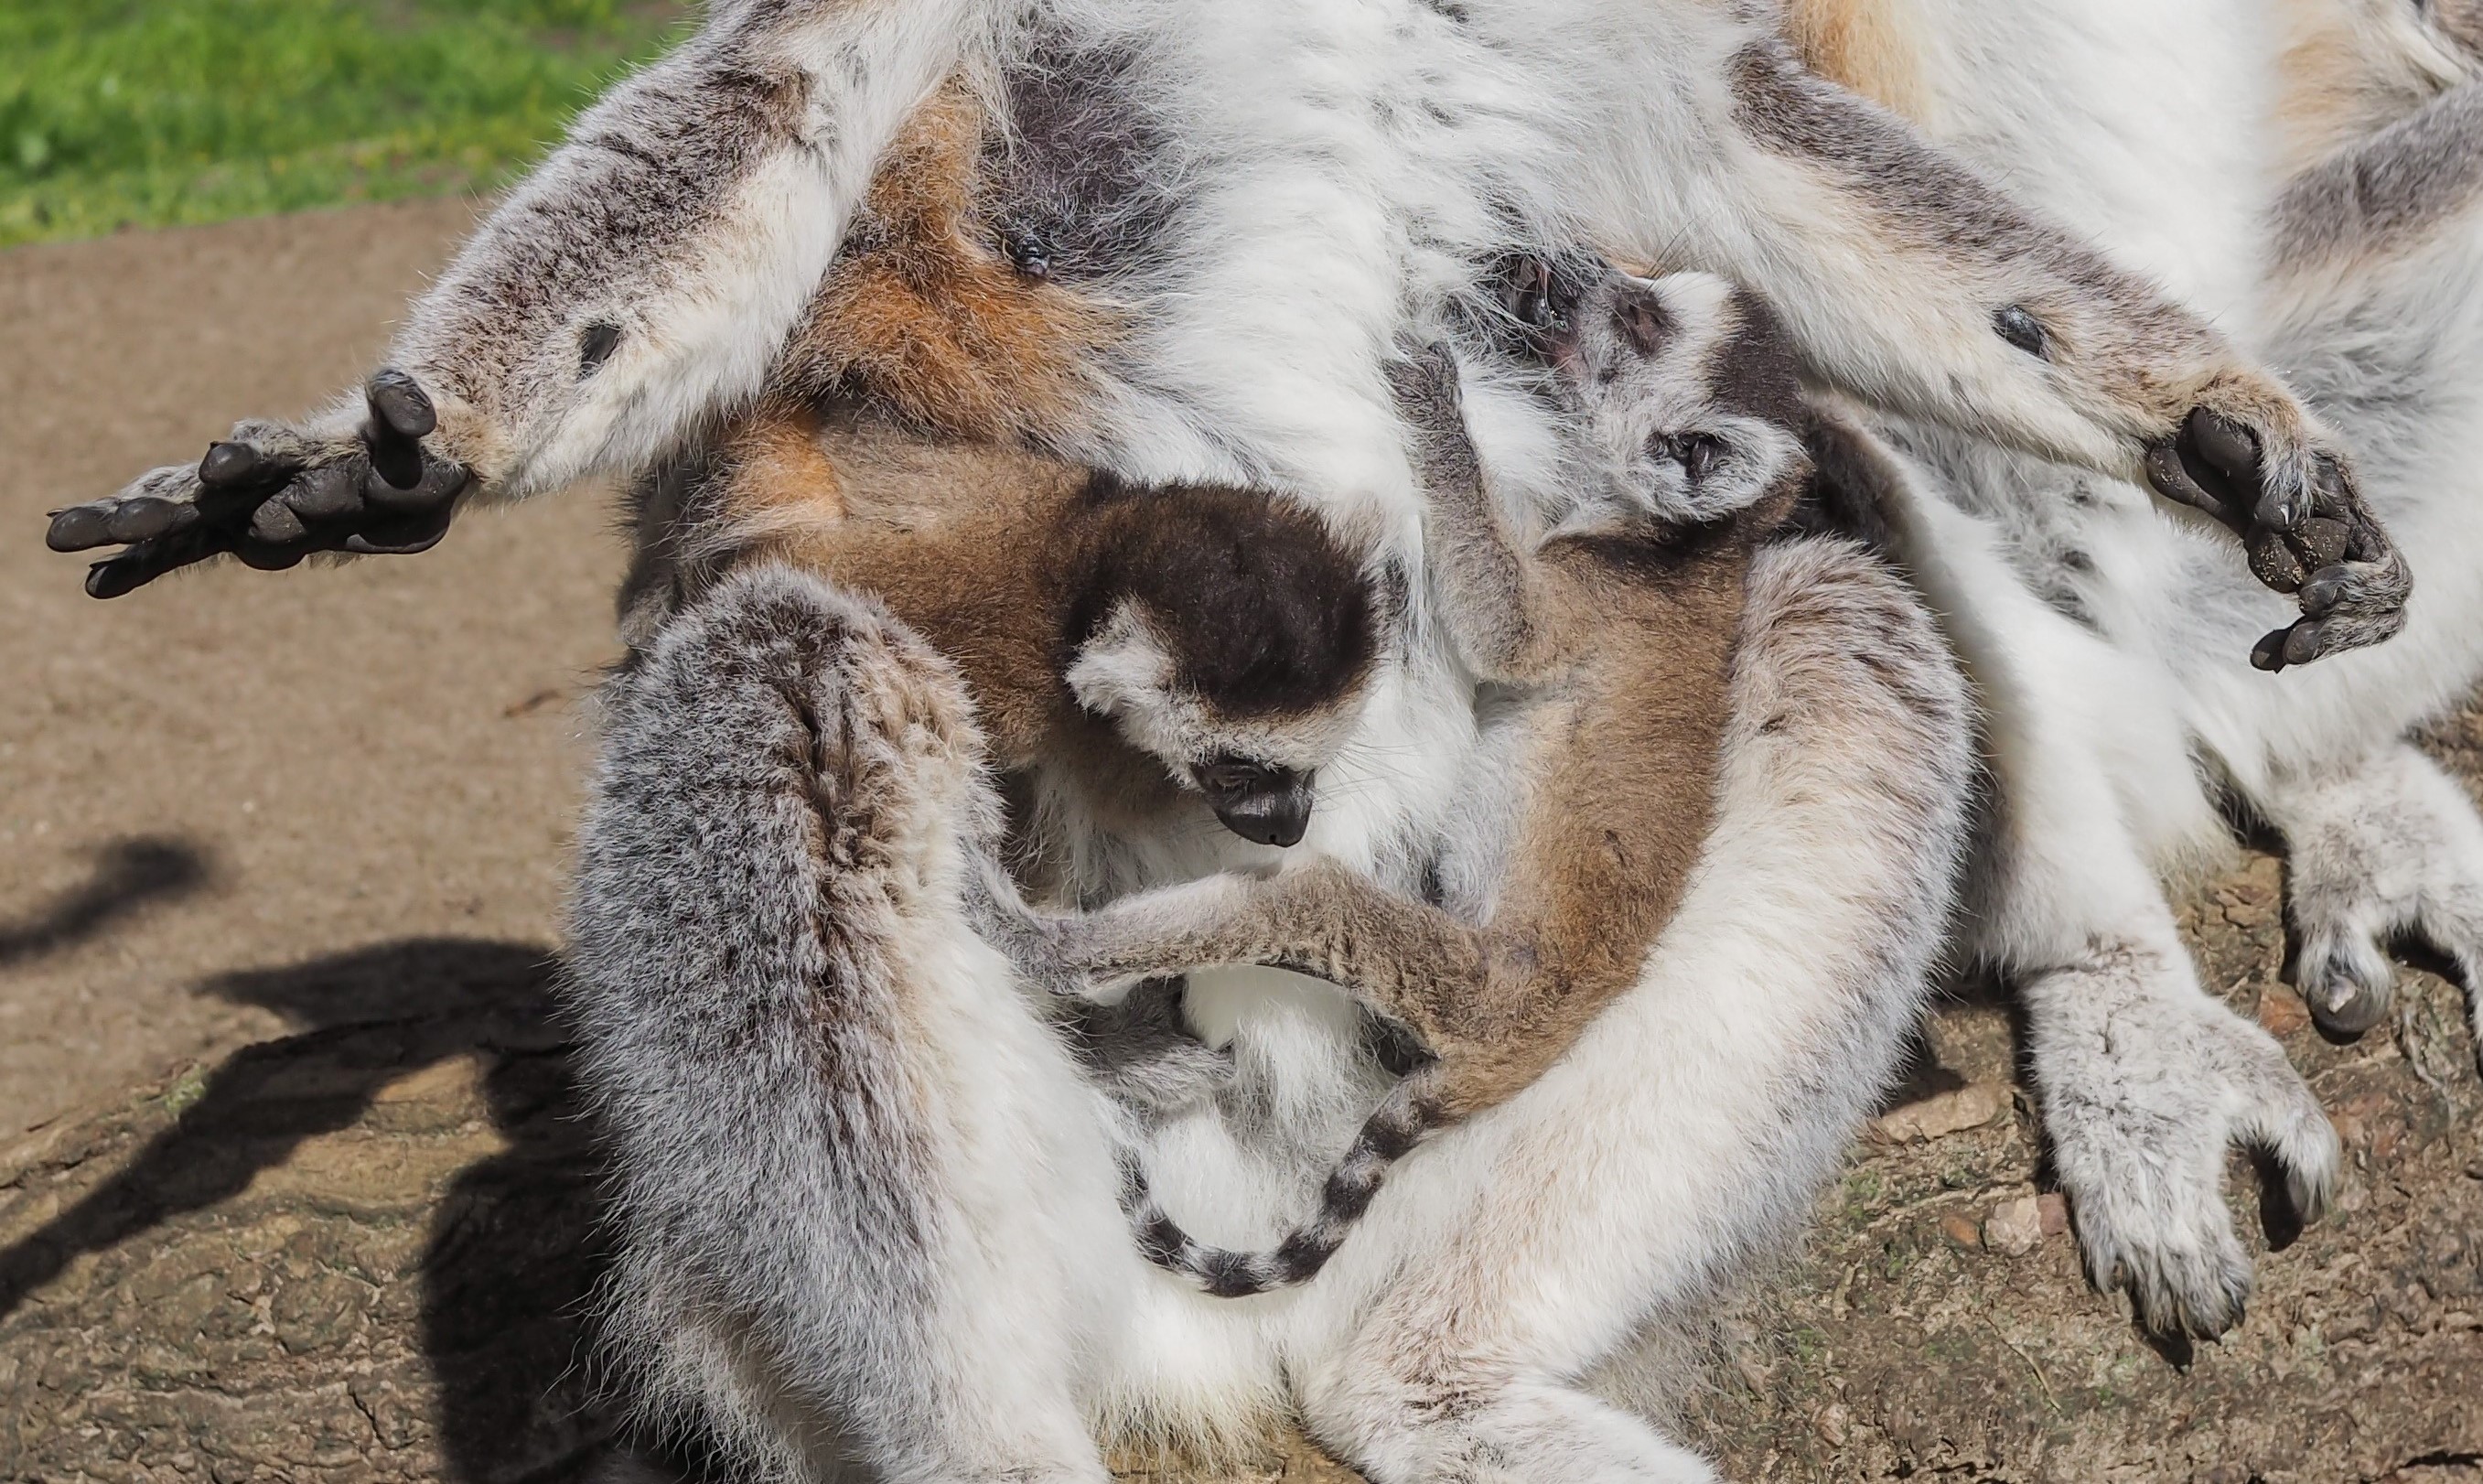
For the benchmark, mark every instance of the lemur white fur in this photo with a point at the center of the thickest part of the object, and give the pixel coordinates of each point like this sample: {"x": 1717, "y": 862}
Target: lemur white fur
{"x": 865, "y": 1195}
{"x": 2345, "y": 241}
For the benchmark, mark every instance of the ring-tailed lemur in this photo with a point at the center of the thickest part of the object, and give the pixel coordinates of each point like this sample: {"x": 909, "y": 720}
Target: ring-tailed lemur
{"x": 1615, "y": 632}
{"x": 1129, "y": 646}
{"x": 647, "y": 276}
{"x": 2316, "y": 189}
{"x": 1233, "y": 207}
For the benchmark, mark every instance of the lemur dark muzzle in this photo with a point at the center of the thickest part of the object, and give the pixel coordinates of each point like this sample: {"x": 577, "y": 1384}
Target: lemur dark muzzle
{"x": 1271, "y": 806}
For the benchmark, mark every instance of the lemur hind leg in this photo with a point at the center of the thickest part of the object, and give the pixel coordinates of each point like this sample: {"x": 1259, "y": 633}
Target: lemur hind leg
{"x": 2143, "y": 1079}
{"x": 821, "y": 1091}
{"x": 2391, "y": 848}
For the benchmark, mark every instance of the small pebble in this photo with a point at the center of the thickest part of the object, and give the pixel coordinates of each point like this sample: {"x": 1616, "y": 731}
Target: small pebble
{"x": 2014, "y": 1227}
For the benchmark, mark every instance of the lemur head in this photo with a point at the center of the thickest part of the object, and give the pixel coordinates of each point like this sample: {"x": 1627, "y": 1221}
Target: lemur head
{"x": 1228, "y": 634}
{"x": 1686, "y": 387}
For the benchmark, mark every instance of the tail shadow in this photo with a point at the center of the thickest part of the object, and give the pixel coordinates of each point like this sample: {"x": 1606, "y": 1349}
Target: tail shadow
{"x": 129, "y": 874}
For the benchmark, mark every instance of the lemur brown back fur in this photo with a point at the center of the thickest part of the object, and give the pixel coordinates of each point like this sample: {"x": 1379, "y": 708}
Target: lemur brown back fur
{"x": 1005, "y": 561}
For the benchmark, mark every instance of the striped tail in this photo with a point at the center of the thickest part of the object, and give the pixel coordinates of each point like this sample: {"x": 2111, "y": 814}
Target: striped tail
{"x": 1407, "y": 1116}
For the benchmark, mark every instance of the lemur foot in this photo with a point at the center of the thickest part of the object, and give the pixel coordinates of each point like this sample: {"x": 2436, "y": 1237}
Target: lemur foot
{"x": 2143, "y": 1085}
{"x": 2301, "y": 521}
{"x": 272, "y": 494}
{"x": 2393, "y": 847}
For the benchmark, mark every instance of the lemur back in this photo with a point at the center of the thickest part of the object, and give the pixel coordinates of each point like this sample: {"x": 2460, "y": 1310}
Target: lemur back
{"x": 1618, "y": 629}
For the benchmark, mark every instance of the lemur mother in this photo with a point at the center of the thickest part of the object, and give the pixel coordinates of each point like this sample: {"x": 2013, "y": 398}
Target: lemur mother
{"x": 1178, "y": 239}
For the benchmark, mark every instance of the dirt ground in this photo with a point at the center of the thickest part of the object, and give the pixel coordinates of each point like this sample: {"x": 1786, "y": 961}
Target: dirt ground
{"x": 223, "y": 773}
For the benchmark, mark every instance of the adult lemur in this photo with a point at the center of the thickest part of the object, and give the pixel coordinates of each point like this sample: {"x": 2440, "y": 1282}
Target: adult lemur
{"x": 2310, "y": 173}
{"x": 1196, "y": 231}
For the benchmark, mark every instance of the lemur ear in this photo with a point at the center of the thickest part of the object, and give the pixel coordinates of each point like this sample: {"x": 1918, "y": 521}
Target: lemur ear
{"x": 1643, "y": 319}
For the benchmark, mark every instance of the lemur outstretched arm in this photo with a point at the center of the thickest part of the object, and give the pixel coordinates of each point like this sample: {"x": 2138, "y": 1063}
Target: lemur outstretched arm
{"x": 1494, "y": 603}
{"x": 1913, "y": 282}
{"x": 2389, "y": 191}
{"x": 640, "y": 282}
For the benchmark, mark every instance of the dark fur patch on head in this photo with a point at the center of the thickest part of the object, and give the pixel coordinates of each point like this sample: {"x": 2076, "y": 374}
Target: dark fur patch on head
{"x": 1755, "y": 370}
{"x": 1263, "y": 610}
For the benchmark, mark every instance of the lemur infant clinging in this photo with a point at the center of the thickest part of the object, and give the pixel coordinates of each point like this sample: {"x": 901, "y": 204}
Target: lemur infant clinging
{"x": 1132, "y": 644}
{"x": 1617, "y": 629}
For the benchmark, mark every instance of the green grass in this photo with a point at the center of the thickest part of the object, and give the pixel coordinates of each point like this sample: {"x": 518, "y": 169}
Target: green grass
{"x": 145, "y": 112}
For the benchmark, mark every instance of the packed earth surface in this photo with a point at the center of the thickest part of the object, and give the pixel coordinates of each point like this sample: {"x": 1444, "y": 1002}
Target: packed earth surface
{"x": 293, "y": 1181}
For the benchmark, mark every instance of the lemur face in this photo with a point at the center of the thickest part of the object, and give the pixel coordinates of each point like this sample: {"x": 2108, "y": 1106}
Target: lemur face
{"x": 1228, "y": 635}
{"x": 1686, "y": 388}
{"x": 1259, "y": 773}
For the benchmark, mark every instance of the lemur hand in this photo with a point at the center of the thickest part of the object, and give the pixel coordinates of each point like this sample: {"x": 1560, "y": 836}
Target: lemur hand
{"x": 272, "y": 494}
{"x": 2249, "y": 462}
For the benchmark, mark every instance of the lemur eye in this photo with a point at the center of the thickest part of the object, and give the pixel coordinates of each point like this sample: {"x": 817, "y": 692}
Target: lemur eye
{"x": 596, "y": 346}
{"x": 1230, "y": 775}
{"x": 1697, "y": 453}
{"x": 2023, "y": 331}
{"x": 1527, "y": 294}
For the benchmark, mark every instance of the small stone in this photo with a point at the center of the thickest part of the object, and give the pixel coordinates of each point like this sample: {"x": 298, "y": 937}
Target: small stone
{"x": 2052, "y": 1208}
{"x": 1970, "y": 1106}
{"x": 1961, "y": 1230}
{"x": 2280, "y": 1011}
{"x": 2014, "y": 1227}
{"x": 1833, "y": 1424}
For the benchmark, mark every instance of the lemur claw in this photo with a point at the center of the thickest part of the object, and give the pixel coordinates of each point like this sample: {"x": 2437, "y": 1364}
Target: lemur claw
{"x": 272, "y": 495}
{"x": 2314, "y": 539}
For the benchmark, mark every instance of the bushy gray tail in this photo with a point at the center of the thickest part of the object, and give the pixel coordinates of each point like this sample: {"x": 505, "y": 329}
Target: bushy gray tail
{"x": 1409, "y": 1115}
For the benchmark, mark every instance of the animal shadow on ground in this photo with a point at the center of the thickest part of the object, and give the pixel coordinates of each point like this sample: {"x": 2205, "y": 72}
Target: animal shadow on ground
{"x": 129, "y": 875}
{"x": 505, "y": 1178}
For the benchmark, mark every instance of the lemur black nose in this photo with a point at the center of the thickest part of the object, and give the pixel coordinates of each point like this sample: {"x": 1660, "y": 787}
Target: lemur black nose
{"x": 1258, "y": 801}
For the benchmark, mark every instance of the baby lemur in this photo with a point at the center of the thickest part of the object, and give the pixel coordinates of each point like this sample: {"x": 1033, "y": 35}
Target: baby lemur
{"x": 1144, "y": 641}
{"x": 1617, "y": 628}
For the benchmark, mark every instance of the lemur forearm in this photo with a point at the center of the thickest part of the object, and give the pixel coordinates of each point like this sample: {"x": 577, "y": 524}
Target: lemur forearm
{"x": 2407, "y": 181}
{"x": 1490, "y": 591}
{"x": 1904, "y": 276}
{"x": 645, "y": 278}
{"x": 1406, "y": 959}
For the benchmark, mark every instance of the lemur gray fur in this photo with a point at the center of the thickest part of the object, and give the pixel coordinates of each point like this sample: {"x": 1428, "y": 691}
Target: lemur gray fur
{"x": 2307, "y": 173}
{"x": 1616, "y": 627}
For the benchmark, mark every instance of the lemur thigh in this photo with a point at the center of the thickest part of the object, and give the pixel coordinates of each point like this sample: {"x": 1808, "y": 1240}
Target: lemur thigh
{"x": 818, "y": 1084}
{"x": 642, "y": 279}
